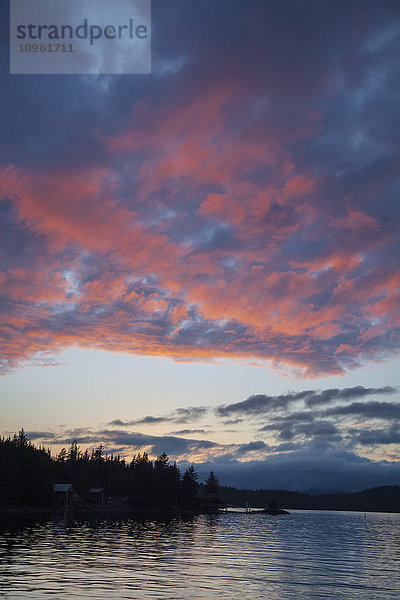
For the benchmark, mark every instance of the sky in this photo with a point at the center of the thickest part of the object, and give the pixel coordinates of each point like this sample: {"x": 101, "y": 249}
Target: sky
{"x": 205, "y": 260}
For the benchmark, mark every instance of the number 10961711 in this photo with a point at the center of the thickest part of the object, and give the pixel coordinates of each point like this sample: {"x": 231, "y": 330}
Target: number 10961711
{"x": 32, "y": 48}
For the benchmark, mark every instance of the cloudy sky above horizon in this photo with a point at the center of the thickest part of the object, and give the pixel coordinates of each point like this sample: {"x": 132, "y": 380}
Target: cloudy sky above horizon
{"x": 205, "y": 260}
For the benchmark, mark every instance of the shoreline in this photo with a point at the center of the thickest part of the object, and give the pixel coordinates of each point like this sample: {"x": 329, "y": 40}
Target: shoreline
{"x": 132, "y": 512}
{"x": 94, "y": 510}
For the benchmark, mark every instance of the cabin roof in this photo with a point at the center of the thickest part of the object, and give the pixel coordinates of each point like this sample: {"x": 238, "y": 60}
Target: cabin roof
{"x": 96, "y": 490}
{"x": 62, "y": 487}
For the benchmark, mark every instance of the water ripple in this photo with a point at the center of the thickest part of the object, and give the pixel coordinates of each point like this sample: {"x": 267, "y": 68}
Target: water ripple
{"x": 305, "y": 555}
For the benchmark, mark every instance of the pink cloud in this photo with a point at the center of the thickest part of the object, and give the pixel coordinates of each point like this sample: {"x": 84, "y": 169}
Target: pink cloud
{"x": 200, "y": 239}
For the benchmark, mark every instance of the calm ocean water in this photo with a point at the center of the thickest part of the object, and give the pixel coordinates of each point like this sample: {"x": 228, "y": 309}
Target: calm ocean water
{"x": 229, "y": 556}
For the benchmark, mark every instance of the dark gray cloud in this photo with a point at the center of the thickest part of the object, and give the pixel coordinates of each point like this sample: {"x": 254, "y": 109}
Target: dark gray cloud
{"x": 323, "y": 424}
{"x": 118, "y": 423}
{"x": 277, "y": 426}
{"x": 241, "y": 451}
{"x": 372, "y": 410}
{"x": 375, "y": 436}
{"x": 284, "y": 423}
{"x": 287, "y": 447}
{"x": 179, "y": 415}
{"x": 175, "y": 446}
{"x": 261, "y": 404}
{"x": 188, "y": 431}
{"x": 332, "y": 395}
{"x": 299, "y": 417}
{"x": 251, "y": 447}
{"x": 187, "y": 415}
{"x": 158, "y": 444}
{"x": 318, "y": 428}
{"x": 290, "y": 421}
{"x": 311, "y": 431}
{"x": 41, "y": 435}
{"x": 149, "y": 420}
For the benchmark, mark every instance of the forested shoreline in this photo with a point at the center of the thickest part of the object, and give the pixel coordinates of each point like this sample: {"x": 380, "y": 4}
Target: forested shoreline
{"x": 377, "y": 499}
{"x": 28, "y": 475}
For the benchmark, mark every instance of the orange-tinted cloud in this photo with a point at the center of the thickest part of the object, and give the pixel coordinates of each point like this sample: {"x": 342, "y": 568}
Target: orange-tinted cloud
{"x": 246, "y": 211}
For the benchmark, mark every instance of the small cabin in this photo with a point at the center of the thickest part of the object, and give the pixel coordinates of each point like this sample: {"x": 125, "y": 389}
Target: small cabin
{"x": 97, "y": 496}
{"x": 64, "y": 493}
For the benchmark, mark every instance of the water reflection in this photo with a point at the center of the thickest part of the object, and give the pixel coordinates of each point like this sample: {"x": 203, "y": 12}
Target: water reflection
{"x": 303, "y": 555}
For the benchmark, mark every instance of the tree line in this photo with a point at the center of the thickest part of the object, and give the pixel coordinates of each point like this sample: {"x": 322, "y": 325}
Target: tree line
{"x": 377, "y": 499}
{"x": 27, "y": 476}
{"x": 28, "y": 473}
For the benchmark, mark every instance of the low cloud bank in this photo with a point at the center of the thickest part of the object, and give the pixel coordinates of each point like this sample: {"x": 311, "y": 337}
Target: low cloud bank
{"x": 306, "y": 471}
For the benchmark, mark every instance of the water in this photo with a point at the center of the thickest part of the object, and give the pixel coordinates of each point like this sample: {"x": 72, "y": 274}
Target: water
{"x": 229, "y": 556}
